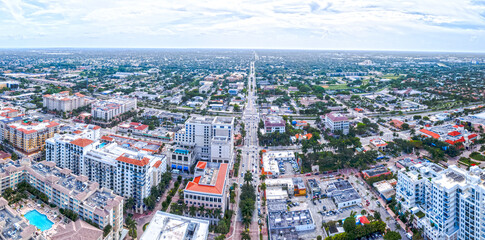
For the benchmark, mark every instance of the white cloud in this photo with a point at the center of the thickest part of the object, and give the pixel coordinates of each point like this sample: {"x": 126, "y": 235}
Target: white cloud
{"x": 349, "y": 24}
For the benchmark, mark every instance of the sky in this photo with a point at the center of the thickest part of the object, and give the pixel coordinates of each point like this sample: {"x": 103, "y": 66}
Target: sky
{"x": 413, "y": 25}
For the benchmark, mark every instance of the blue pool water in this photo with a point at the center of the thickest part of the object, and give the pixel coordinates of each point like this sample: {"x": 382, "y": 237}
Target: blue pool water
{"x": 102, "y": 145}
{"x": 39, "y": 220}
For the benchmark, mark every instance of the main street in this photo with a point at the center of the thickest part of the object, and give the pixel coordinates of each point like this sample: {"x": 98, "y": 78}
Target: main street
{"x": 250, "y": 154}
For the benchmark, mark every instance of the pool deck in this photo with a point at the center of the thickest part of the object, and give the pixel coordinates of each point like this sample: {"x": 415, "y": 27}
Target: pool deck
{"x": 52, "y": 214}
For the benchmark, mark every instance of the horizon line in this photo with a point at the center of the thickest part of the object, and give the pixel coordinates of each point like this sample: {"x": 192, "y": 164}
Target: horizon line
{"x": 243, "y": 48}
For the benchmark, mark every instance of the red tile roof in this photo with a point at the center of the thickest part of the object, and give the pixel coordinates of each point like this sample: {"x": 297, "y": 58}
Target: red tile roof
{"x": 107, "y": 138}
{"x": 143, "y": 162}
{"x": 157, "y": 164}
{"x": 53, "y": 124}
{"x": 82, "y": 142}
{"x": 96, "y": 127}
{"x": 216, "y": 189}
{"x": 454, "y": 133}
{"x": 77, "y": 131}
{"x": 364, "y": 220}
{"x": 25, "y": 131}
{"x": 142, "y": 127}
{"x": 397, "y": 123}
{"x": 462, "y": 139}
{"x": 432, "y": 134}
{"x": 472, "y": 136}
{"x": 201, "y": 164}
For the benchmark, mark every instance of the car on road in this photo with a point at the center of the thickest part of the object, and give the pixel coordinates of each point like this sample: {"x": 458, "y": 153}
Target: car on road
{"x": 308, "y": 174}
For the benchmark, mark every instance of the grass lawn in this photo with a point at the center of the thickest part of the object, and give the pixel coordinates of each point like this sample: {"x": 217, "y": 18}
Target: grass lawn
{"x": 336, "y": 87}
{"x": 477, "y": 156}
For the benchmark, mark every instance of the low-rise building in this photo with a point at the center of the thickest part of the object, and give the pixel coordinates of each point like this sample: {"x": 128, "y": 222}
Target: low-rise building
{"x": 133, "y": 127}
{"x": 171, "y": 227}
{"x": 378, "y": 144}
{"x": 385, "y": 188}
{"x": 284, "y": 224}
{"x": 273, "y": 161}
{"x": 450, "y": 133}
{"x": 337, "y": 122}
{"x": 314, "y": 188}
{"x": 274, "y": 124}
{"x": 343, "y": 194}
{"x": 376, "y": 172}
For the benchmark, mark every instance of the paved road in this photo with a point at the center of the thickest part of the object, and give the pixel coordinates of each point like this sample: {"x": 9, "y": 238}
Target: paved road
{"x": 250, "y": 154}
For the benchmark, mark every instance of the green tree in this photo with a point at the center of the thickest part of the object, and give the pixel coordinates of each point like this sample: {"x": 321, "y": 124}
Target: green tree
{"x": 391, "y": 235}
{"x": 248, "y": 177}
{"x": 349, "y": 224}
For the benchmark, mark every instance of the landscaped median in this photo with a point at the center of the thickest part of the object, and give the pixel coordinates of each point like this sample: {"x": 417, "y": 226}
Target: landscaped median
{"x": 467, "y": 162}
{"x": 477, "y": 156}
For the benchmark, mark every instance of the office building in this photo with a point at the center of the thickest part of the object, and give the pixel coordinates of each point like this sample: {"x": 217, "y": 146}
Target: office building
{"x": 337, "y": 122}
{"x": 63, "y": 102}
{"x": 274, "y": 124}
{"x": 210, "y": 139}
{"x": 208, "y": 189}
{"x": 171, "y": 227}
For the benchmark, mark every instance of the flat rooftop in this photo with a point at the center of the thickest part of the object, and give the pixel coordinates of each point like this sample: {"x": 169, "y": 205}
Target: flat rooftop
{"x": 174, "y": 227}
{"x": 12, "y": 225}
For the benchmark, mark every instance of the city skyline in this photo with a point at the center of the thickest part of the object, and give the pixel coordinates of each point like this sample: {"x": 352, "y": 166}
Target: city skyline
{"x": 451, "y": 26}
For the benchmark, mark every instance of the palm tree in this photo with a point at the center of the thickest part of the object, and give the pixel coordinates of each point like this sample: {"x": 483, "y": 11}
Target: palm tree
{"x": 192, "y": 210}
{"x": 248, "y": 177}
{"x": 218, "y": 212}
{"x": 263, "y": 177}
{"x": 245, "y": 235}
{"x": 201, "y": 210}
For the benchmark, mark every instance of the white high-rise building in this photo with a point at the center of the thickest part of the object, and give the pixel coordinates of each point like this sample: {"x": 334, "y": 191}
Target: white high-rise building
{"x": 452, "y": 200}
{"x": 128, "y": 172}
{"x": 211, "y": 139}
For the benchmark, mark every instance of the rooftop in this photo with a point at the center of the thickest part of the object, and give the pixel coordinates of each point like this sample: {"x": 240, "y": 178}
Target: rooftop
{"x": 209, "y": 179}
{"x": 174, "y": 227}
{"x": 336, "y": 117}
{"x": 32, "y": 126}
{"x": 12, "y": 225}
{"x": 76, "y": 231}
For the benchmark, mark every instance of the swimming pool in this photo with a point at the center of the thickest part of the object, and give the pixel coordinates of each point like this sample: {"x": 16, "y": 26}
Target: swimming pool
{"x": 39, "y": 220}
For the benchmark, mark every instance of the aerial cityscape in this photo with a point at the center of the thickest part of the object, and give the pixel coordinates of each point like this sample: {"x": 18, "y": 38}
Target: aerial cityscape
{"x": 241, "y": 144}
{"x": 242, "y": 120}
